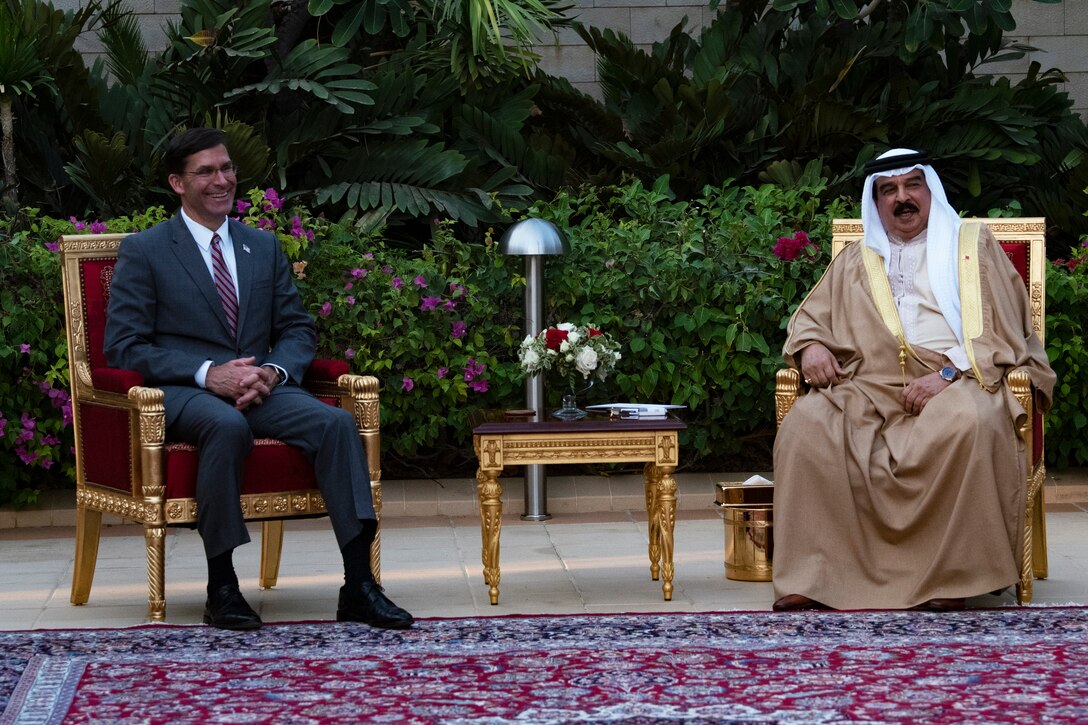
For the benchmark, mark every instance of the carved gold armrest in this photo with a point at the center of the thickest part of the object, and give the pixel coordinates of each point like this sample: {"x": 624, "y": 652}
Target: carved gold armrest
{"x": 787, "y": 390}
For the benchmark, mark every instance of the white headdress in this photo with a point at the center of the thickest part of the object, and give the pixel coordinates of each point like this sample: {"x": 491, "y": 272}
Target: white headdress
{"x": 942, "y": 239}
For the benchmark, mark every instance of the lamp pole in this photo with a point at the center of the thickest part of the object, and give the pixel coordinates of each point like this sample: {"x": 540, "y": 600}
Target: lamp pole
{"x": 534, "y": 238}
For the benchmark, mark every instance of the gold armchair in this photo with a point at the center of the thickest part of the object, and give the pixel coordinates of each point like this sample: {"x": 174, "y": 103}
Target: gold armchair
{"x": 1024, "y": 241}
{"x": 125, "y": 465}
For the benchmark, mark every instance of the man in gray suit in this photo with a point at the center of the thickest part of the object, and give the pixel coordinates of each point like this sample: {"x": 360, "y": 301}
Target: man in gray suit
{"x": 205, "y": 308}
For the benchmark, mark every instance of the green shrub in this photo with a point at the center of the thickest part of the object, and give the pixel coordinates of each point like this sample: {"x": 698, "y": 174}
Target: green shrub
{"x": 1067, "y": 347}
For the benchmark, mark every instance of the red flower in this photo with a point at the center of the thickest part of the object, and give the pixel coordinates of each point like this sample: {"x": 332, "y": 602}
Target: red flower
{"x": 594, "y": 333}
{"x": 554, "y": 338}
{"x": 790, "y": 248}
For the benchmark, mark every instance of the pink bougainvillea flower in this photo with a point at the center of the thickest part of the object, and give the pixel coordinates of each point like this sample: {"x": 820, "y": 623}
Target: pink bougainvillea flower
{"x": 386, "y": 269}
{"x": 242, "y": 205}
{"x": 326, "y": 309}
{"x": 359, "y": 273}
{"x": 349, "y": 285}
{"x": 368, "y": 255}
{"x": 473, "y": 369}
{"x": 440, "y": 374}
{"x": 397, "y": 283}
{"x": 349, "y": 354}
{"x": 273, "y": 199}
{"x": 457, "y": 290}
{"x": 480, "y": 386}
{"x": 450, "y": 305}
{"x": 98, "y": 227}
{"x": 457, "y": 329}
{"x": 407, "y": 384}
{"x": 53, "y": 246}
{"x": 24, "y": 348}
{"x": 351, "y": 300}
{"x": 429, "y": 303}
{"x": 80, "y": 226}
{"x": 419, "y": 281}
{"x": 790, "y": 248}
{"x": 4, "y": 421}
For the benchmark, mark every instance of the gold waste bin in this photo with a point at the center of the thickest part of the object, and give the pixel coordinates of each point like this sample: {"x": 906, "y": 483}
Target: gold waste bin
{"x": 747, "y": 511}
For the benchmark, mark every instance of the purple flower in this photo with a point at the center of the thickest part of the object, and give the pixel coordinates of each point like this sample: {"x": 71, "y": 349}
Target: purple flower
{"x": 349, "y": 354}
{"x": 66, "y": 414}
{"x": 28, "y": 421}
{"x": 368, "y": 255}
{"x": 480, "y": 386}
{"x": 407, "y": 384}
{"x": 24, "y": 348}
{"x": 47, "y": 464}
{"x": 397, "y": 283}
{"x": 351, "y": 300}
{"x": 429, "y": 303}
{"x": 386, "y": 269}
{"x": 349, "y": 285}
{"x": 98, "y": 227}
{"x": 80, "y": 226}
{"x": 457, "y": 290}
{"x": 241, "y": 205}
{"x": 419, "y": 281}
{"x": 326, "y": 309}
{"x": 26, "y": 456}
{"x": 273, "y": 198}
{"x": 50, "y": 440}
{"x": 457, "y": 329}
{"x": 440, "y": 374}
{"x": 53, "y": 246}
{"x": 359, "y": 273}
{"x": 450, "y": 305}
{"x": 4, "y": 421}
{"x": 472, "y": 369}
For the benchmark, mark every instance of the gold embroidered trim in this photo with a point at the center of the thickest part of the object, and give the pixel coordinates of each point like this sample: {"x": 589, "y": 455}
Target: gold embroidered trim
{"x": 881, "y": 291}
{"x": 970, "y": 294}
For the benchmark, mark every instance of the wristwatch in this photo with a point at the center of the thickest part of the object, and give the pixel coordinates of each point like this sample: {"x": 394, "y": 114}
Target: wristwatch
{"x": 949, "y": 373}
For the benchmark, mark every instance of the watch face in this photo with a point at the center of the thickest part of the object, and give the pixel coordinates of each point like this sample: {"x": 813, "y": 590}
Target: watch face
{"x": 948, "y": 374}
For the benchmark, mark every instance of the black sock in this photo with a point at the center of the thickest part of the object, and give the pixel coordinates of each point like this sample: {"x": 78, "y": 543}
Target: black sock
{"x": 221, "y": 571}
{"x": 356, "y": 555}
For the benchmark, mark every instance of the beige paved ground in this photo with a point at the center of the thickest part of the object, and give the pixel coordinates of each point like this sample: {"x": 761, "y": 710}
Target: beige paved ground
{"x": 590, "y": 557}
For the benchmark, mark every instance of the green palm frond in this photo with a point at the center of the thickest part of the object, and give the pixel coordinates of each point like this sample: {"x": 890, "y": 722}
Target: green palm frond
{"x": 323, "y": 73}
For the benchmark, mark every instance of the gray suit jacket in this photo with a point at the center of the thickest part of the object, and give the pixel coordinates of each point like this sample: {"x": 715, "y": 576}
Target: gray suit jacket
{"x": 165, "y": 318}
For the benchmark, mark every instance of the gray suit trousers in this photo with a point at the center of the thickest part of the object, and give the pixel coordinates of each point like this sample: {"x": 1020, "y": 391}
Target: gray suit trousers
{"x": 224, "y": 436}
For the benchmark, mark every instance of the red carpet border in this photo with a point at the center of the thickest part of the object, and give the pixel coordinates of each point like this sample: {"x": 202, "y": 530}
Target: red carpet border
{"x": 1012, "y": 665}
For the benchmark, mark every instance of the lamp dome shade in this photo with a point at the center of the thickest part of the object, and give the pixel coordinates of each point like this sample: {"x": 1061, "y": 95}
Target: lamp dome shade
{"x": 533, "y": 236}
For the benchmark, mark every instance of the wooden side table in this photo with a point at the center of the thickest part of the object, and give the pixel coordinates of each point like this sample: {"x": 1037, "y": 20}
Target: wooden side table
{"x": 653, "y": 442}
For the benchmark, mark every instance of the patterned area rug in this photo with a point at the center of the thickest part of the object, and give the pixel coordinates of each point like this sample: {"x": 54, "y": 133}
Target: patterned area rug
{"x": 994, "y": 666}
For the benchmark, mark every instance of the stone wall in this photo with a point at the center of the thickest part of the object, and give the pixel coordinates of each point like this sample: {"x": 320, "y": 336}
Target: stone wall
{"x": 1059, "y": 31}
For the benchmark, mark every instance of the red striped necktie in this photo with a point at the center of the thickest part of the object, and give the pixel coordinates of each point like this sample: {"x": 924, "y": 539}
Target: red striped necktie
{"x": 224, "y": 283}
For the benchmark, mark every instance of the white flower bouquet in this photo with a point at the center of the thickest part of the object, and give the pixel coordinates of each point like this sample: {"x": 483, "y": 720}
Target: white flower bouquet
{"x": 570, "y": 350}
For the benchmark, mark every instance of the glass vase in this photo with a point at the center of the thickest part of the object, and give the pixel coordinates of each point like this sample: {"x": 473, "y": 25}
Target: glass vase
{"x": 568, "y": 408}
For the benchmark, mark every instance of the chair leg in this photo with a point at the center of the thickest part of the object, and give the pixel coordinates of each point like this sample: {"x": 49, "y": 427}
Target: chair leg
{"x": 88, "y": 529}
{"x": 376, "y": 546}
{"x": 155, "y": 538}
{"x": 271, "y": 549}
{"x": 1040, "y": 567}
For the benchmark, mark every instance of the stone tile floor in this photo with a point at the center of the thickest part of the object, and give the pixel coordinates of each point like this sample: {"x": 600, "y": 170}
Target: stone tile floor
{"x": 590, "y": 557}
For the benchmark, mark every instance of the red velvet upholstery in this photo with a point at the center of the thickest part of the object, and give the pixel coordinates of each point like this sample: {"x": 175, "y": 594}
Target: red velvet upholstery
{"x": 1017, "y": 253}
{"x": 107, "y": 455}
{"x": 271, "y": 467}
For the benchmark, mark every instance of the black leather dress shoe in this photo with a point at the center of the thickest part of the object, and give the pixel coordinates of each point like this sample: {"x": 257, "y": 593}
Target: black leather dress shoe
{"x": 368, "y": 604}
{"x": 228, "y": 609}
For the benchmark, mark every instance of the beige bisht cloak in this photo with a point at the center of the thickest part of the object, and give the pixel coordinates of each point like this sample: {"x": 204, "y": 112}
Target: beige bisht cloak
{"x": 875, "y": 508}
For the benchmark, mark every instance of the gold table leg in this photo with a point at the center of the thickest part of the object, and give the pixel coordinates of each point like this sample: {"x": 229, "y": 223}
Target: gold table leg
{"x": 650, "y": 481}
{"x": 665, "y": 513}
{"x": 490, "y": 493}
